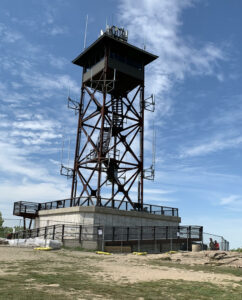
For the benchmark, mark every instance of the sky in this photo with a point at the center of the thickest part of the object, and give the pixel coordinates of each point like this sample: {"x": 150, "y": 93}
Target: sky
{"x": 197, "y": 85}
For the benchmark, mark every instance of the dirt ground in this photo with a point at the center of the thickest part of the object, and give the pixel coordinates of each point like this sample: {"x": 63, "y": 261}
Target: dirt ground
{"x": 206, "y": 266}
{"x": 135, "y": 268}
{"x": 138, "y": 268}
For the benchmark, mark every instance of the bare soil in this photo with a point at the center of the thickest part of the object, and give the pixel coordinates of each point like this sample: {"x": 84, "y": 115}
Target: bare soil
{"x": 135, "y": 268}
{"x": 223, "y": 269}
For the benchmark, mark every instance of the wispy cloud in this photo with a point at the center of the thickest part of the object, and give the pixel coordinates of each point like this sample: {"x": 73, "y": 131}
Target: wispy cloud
{"x": 25, "y": 190}
{"x": 160, "y": 29}
{"x": 50, "y": 82}
{"x": 8, "y": 35}
{"x": 58, "y": 62}
{"x": 50, "y": 23}
{"x": 214, "y": 145}
{"x": 157, "y": 191}
{"x": 56, "y": 30}
{"x": 36, "y": 125}
{"x": 233, "y": 202}
{"x": 36, "y": 138}
{"x": 14, "y": 160}
{"x": 158, "y": 24}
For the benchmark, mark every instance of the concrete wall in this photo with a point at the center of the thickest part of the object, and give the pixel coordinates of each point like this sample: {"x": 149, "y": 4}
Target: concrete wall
{"x": 93, "y": 215}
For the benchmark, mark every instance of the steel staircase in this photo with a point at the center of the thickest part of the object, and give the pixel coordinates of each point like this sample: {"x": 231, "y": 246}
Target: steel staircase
{"x": 110, "y": 130}
{"x": 117, "y": 110}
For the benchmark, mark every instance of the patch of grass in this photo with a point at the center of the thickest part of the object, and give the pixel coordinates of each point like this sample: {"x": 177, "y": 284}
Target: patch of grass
{"x": 77, "y": 278}
{"x": 207, "y": 268}
{"x": 14, "y": 287}
{"x": 87, "y": 287}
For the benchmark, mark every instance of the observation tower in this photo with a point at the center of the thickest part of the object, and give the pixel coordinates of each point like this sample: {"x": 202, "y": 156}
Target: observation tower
{"x": 109, "y": 156}
{"x": 108, "y": 173}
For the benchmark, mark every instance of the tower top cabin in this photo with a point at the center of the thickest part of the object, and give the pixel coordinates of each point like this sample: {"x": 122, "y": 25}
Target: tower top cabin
{"x": 112, "y": 58}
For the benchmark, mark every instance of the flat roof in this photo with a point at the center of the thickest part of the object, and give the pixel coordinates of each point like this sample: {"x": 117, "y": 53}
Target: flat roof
{"x": 122, "y": 46}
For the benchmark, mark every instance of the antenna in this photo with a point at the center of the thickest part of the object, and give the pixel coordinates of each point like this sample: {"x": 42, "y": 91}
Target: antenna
{"x": 62, "y": 149}
{"x": 69, "y": 145}
{"x": 66, "y": 171}
{"x": 85, "y": 35}
{"x": 154, "y": 146}
{"x": 69, "y": 91}
{"x": 150, "y": 103}
{"x": 149, "y": 173}
{"x": 144, "y": 43}
{"x": 72, "y": 104}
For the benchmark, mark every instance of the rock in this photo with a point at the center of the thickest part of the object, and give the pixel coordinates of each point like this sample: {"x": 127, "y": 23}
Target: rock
{"x": 217, "y": 255}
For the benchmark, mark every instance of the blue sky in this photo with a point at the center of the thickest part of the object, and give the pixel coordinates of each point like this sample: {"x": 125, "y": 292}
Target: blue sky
{"x": 196, "y": 80}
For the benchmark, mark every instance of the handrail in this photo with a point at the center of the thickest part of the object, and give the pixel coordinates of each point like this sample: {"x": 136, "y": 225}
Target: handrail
{"x": 22, "y": 207}
{"x": 113, "y": 233}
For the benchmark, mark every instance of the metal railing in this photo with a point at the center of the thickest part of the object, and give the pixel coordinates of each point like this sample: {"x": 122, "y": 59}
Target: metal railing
{"x": 25, "y": 208}
{"x": 31, "y": 208}
{"x": 112, "y": 234}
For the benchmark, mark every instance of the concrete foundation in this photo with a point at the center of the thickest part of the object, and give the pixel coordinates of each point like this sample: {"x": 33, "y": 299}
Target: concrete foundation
{"x": 101, "y": 216}
{"x": 112, "y": 223}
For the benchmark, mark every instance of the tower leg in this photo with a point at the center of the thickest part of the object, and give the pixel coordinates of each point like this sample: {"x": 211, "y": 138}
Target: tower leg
{"x": 78, "y": 141}
{"x": 141, "y": 148}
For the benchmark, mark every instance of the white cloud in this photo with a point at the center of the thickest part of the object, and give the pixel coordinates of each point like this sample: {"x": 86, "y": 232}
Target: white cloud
{"x": 158, "y": 22}
{"x": 214, "y": 145}
{"x": 49, "y": 82}
{"x": 233, "y": 202}
{"x": 37, "y": 125}
{"x": 49, "y": 25}
{"x": 157, "y": 191}
{"x": 35, "y": 138}
{"x": 34, "y": 191}
{"x": 230, "y": 200}
{"x": 7, "y": 35}
{"x": 16, "y": 160}
{"x": 58, "y": 62}
{"x": 11, "y": 192}
{"x": 58, "y": 30}
{"x": 16, "y": 85}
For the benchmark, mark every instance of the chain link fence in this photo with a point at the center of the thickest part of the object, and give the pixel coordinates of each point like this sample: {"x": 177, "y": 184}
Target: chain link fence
{"x": 209, "y": 237}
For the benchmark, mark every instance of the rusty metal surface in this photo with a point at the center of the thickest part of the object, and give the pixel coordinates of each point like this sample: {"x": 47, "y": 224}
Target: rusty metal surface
{"x": 111, "y": 124}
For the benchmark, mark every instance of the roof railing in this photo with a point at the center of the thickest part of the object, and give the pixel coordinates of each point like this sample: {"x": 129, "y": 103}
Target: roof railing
{"x": 23, "y": 207}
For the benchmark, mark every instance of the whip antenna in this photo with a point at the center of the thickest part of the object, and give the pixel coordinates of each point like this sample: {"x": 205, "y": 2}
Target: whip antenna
{"x": 85, "y": 35}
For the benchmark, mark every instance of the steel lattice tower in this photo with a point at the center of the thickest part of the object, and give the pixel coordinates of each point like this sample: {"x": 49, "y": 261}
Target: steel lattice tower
{"x": 109, "y": 154}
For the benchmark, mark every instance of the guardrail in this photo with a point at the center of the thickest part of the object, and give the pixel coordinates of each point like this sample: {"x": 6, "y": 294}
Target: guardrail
{"x": 24, "y": 208}
{"x": 114, "y": 233}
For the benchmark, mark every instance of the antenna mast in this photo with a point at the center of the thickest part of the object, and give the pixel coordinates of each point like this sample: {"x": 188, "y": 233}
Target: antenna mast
{"x": 85, "y": 35}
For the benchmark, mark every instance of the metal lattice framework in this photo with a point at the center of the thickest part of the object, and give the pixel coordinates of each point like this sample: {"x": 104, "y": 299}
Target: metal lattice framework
{"x": 110, "y": 125}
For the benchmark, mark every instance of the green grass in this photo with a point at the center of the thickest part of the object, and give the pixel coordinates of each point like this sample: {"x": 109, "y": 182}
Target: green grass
{"x": 77, "y": 279}
{"x": 82, "y": 284}
{"x": 237, "y": 250}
